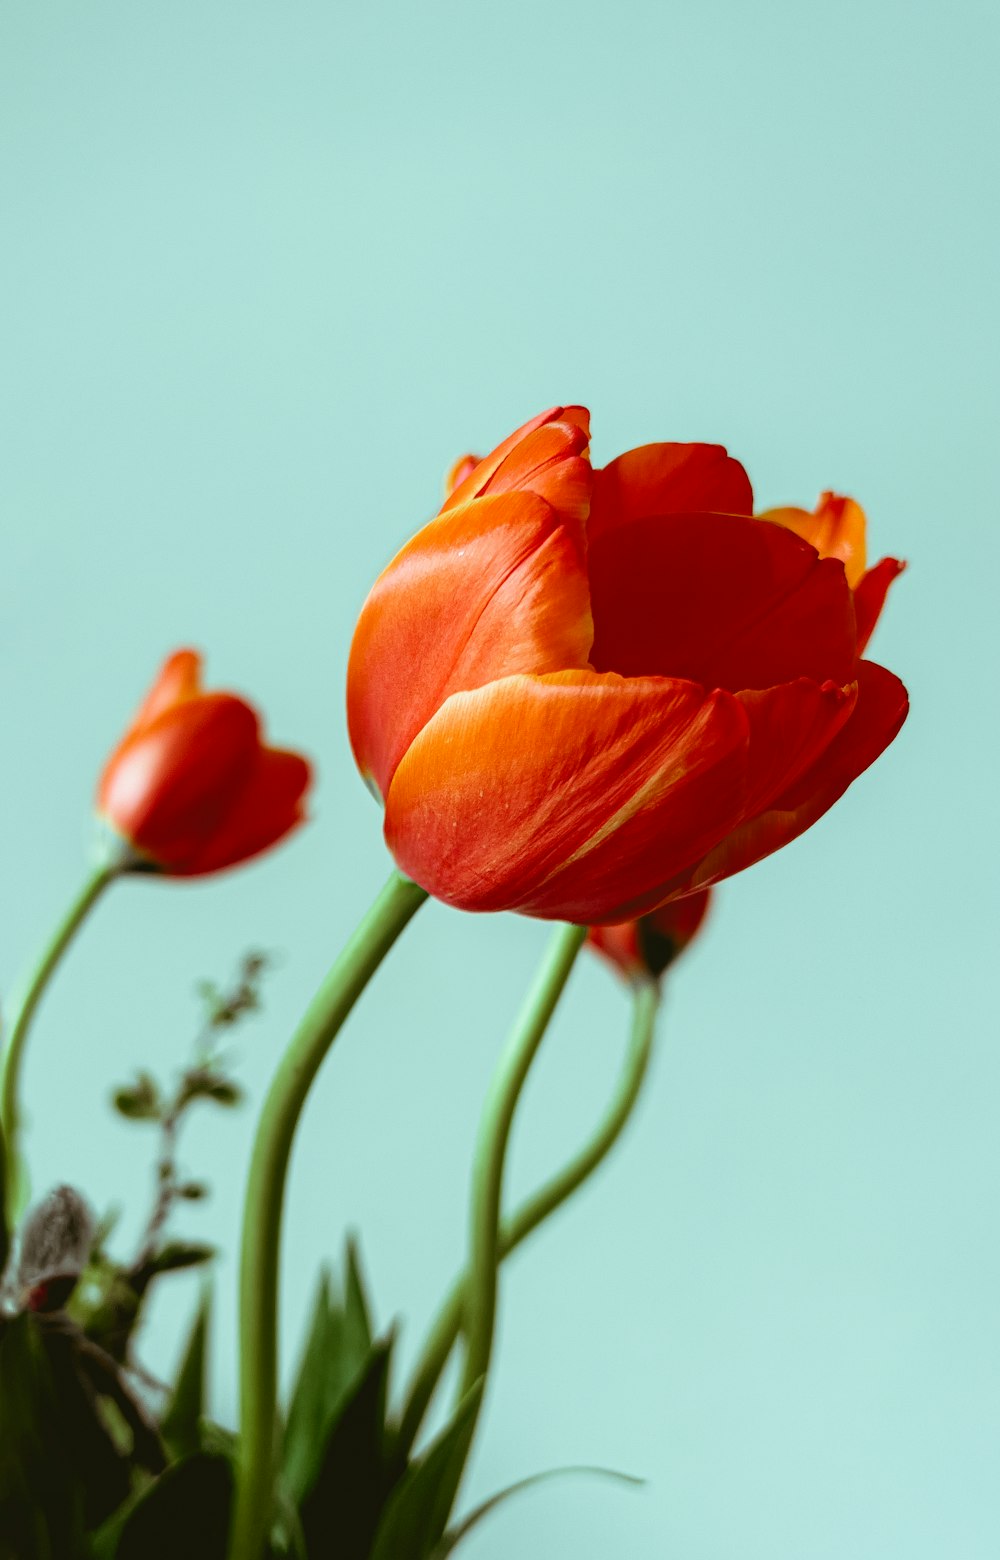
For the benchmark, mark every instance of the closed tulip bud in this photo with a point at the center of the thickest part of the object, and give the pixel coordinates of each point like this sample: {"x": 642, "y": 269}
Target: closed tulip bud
{"x": 646, "y": 948}
{"x": 191, "y": 787}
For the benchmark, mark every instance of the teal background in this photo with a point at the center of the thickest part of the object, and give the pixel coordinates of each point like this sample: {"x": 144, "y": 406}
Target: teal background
{"x": 265, "y": 271}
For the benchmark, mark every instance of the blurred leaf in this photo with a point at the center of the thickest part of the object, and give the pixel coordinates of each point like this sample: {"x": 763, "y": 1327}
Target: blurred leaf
{"x": 139, "y": 1101}
{"x": 184, "y": 1515}
{"x": 225, "y": 1008}
{"x": 61, "y": 1472}
{"x": 107, "y": 1388}
{"x": 287, "y": 1541}
{"x": 454, "y": 1537}
{"x": 337, "y": 1351}
{"x": 357, "y": 1313}
{"x": 224, "y": 1092}
{"x": 176, "y": 1255}
{"x": 216, "y": 1438}
{"x": 41, "y": 1502}
{"x": 104, "y": 1228}
{"x": 340, "y": 1511}
{"x": 419, "y": 1507}
{"x": 313, "y": 1397}
{"x": 107, "y": 1306}
{"x": 203, "y": 1083}
{"x": 180, "y": 1424}
{"x": 192, "y": 1191}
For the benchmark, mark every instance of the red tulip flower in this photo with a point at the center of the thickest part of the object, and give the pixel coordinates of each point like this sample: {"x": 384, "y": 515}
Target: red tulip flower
{"x": 191, "y": 788}
{"x": 646, "y": 948}
{"x": 584, "y": 694}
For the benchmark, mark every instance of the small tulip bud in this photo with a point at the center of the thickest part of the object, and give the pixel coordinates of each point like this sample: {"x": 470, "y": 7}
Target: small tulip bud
{"x": 648, "y": 946}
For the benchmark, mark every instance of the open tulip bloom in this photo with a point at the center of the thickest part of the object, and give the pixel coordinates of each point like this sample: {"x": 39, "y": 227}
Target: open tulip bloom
{"x": 584, "y": 695}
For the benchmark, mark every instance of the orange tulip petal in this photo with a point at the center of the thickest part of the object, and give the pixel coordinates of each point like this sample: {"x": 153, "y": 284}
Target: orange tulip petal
{"x": 487, "y": 464}
{"x": 269, "y": 806}
{"x": 878, "y": 715}
{"x": 168, "y": 785}
{"x": 179, "y": 680}
{"x": 720, "y": 599}
{"x": 836, "y": 528}
{"x": 547, "y": 460}
{"x": 661, "y": 479}
{"x": 464, "y": 466}
{"x": 578, "y": 415}
{"x": 494, "y": 588}
{"x": 870, "y": 594}
{"x": 790, "y": 726}
{"x": 571, "y": 796}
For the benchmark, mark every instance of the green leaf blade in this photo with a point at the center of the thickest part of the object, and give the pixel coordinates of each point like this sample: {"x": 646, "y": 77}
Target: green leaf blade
{"x": 454, "y": 1536}
{"x": 340, "y": 1512}
{"x": 418, "y": 1510}
{"x": 184, "y": 1515}
{"x": 180, "y": 1425}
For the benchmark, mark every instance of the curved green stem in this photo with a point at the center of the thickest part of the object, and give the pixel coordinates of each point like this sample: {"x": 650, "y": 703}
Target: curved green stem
{"x": 340, "y": 990}
{"x": 517, "y": 1226}
{"x": 491, "y": 1148}
{"x": 24, "y": 1012}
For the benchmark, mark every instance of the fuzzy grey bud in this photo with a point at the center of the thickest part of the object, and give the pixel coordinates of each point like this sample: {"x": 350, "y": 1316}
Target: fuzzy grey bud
{"x": 57, "y": 1238}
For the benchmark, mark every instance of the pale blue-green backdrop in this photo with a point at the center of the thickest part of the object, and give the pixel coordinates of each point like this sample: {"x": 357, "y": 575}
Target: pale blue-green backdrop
{"x": 265, "y": 270}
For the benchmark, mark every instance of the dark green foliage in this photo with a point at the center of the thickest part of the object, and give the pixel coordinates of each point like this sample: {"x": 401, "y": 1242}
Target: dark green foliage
{"x": 338, "y": 1348}
{"x": 180, "y": 1422}
{"x": 317, "y": 1390}
{"x": 41, "y": 1498}
{"x": 71, "y": 1439}
{"x": 82, "y": 1473}
{"x": 340, "y": 1510}
{"x": 175, "y": 1256}
{"x": 357, "y": 1312}
{"x": 355, "y": 1500}
{"x": 184, "y": 1515}
{"x": 416, "y": 1513}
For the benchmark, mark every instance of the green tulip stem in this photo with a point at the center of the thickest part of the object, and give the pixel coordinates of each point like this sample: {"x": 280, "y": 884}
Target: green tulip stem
{"x": 525, "y": 1219}
{"x": 491, "y": 1148}
{"x": 20, "y": 1025}
{"x": 347, "y": 978}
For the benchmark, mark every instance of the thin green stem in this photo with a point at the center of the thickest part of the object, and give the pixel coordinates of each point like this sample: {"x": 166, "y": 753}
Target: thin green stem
{"x": 4, "y": 1223}
{"x": 491, "y": 1148}
{"x": 535, "y": 1209}
{"x": 517, "y": 1226}
{"x": 298, "y": 1067}
{"x": 20, "y": 1024}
